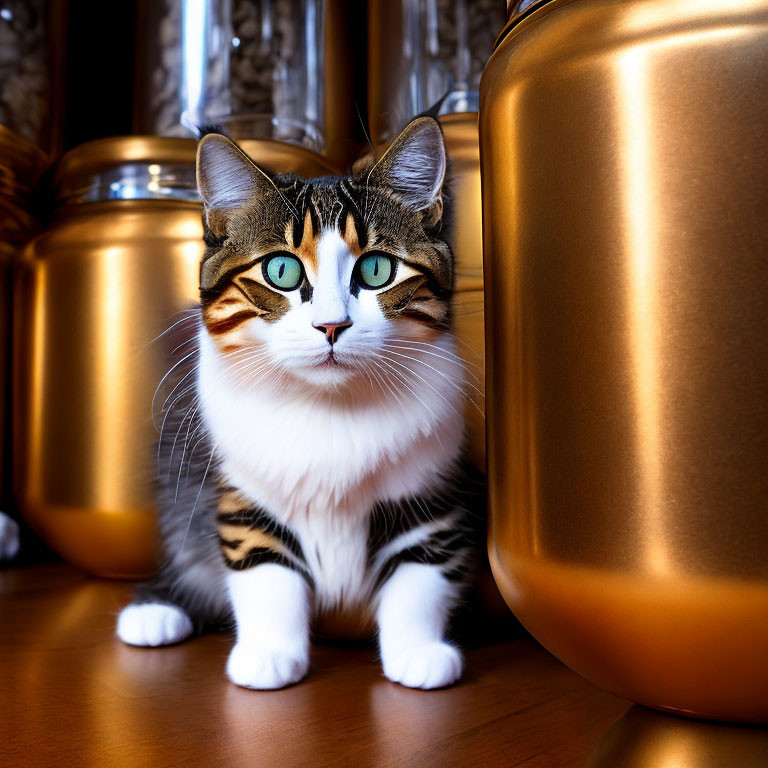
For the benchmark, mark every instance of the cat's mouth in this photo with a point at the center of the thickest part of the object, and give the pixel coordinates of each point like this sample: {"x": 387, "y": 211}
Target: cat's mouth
{"x": 331, "y": 361}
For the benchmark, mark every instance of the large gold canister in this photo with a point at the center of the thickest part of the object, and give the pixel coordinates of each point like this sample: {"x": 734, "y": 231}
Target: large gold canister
{"x": 95, "y": 293}
{"x": 624, "y": 152}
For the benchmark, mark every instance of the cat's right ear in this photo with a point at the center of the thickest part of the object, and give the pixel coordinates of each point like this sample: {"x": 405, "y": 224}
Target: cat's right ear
{"x": 226, "y": 177}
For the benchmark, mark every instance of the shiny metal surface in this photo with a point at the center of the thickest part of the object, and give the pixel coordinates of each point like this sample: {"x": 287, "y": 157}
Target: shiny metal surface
{"x": 624, "y": 161}
{"x": 647, "y": 739}
{"x": 92, "y": 293}
{"x": 461, "y": 141}
{"x": 152, "y": 167}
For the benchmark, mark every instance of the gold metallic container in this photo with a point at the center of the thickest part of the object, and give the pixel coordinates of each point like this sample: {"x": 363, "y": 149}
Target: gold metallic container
{"x": 94, "y": 294}
{"x": 625, "y": 207}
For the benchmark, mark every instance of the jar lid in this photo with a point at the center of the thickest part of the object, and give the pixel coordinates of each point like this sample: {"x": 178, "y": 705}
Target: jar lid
{"x": 21, "y": 166}
{"x": 127, "y": 168}
{"x": 160, "y": 168}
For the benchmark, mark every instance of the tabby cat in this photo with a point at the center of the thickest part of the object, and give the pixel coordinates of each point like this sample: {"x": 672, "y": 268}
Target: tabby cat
{"x": 327, "y": 394}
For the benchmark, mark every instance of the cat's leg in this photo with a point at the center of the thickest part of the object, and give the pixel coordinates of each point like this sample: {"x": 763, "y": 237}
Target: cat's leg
{"x": 269, "y": 588}
{"x": 153, "y": 619}
{"x": 9, "y": 537}
{"x": 271, "y": 604}
{"x": 415, "y": 604}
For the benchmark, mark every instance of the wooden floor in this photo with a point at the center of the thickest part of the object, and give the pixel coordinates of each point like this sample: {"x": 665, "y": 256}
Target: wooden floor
{"x": 71, "y": 694}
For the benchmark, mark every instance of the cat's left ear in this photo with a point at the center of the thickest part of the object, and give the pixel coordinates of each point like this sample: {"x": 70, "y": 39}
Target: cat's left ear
{"x": 414, "y": 167}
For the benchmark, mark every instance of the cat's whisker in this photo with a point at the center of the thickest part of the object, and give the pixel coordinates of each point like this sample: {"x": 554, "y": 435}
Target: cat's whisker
{"x": 165, "y": 419}
{"x": 405, "y": 384}
{"x": 197, "y": 498}
{"x": 191, "y": 340}
{"x": 170, "y": 371}
{"x": 190, "y": 314}
{"x": 364, "y": 368}
{"x": 383, "y": 378}
{"x": 449, "y": 360}
{"x": 191, "y": 416}
{"x": 441, "y": 373}
{"x": 189, "y": 413}
{"x": 431, "y": 386}
{"x": 178, "y": 384}
{"x": 438, "y": 347}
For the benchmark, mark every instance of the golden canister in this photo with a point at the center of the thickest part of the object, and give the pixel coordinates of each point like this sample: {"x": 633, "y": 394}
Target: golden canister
{"x": 95, "y": 293}
{"x": 624, "y": 152}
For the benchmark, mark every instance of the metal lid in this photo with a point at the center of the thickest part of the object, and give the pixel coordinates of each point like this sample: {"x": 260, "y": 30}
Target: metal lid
{"x": 160, "y": 168}
{"x": 127, "y": 168}
{"x": 21, "y": 165}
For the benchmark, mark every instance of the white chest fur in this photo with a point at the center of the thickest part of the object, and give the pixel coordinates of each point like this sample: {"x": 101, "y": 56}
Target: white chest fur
{"x": 318, "y": 464}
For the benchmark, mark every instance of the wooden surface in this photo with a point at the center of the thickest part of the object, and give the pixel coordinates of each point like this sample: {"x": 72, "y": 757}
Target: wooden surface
{"x": 72, "y": 694}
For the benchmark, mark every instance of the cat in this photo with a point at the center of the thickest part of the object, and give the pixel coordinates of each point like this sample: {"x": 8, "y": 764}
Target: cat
{"x": 328, "y": 395}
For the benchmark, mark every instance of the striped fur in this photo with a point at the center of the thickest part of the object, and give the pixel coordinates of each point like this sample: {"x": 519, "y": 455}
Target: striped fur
{"x": 316, "y": 477}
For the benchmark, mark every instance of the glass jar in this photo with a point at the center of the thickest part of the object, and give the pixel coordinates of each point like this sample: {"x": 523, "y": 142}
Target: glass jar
{"x": 254, "y": 67}
{"x": 626, "y": 253}
{"x": 423, "y": 50}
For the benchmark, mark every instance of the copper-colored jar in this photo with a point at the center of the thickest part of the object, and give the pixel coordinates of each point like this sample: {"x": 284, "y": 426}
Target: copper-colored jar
{"x": 624, "y": 151}
{"x": 94, "y": 294}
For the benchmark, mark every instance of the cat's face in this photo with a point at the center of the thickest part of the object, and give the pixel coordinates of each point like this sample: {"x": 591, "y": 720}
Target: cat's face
{"x": 325, "y": 281}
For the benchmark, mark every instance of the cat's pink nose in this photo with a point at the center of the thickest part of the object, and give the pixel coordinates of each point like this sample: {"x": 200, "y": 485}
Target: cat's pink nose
{"x": 332, "y": 331}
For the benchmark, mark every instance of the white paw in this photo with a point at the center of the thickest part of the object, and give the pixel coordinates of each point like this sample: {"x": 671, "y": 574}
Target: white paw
{"x": 9, "y": 537}
{"x": 153, "y": 624}
{"x": 434, "y": 665}
{"x": 266, "y": 668}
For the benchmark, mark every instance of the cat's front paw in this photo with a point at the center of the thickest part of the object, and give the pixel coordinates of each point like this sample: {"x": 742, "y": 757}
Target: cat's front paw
{"x": 153, "y": 624}
{"x": 434, "y": 665}
{"x": 9, "y": 537}
{"x": 252, "y": 666}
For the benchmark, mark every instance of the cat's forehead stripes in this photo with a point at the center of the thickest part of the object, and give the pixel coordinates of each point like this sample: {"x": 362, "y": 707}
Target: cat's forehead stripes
{"x": 296, "y": 212}
{"x": 305, "y": 247}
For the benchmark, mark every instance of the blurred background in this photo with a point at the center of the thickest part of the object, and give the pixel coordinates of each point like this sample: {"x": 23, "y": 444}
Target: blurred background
{"x": 100, "y": 219}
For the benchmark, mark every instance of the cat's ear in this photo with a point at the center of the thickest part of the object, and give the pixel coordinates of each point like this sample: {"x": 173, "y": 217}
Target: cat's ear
{"x": 226, "y": 177}
{"x": 414, "y": 166}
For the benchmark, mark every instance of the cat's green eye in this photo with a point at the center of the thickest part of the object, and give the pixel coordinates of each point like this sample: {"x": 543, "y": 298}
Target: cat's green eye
{"x": 375, "y": 270}
{"x": 282, "y": 271}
